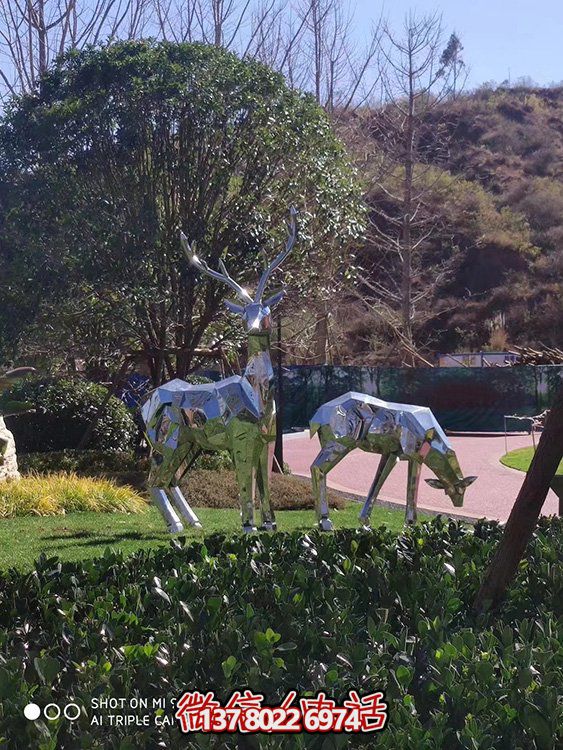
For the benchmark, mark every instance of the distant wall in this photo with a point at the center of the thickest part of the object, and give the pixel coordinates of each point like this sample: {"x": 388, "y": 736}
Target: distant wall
{"x": 464, "y": 399}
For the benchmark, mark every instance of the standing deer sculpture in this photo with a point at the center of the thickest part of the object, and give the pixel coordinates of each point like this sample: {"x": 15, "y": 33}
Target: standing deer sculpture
{"x": 396, "y": 431}
{"x": 237, "y": 414}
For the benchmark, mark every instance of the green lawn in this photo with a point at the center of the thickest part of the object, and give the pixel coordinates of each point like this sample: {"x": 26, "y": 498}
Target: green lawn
{"x": 77, "y": 536}
{"x": 520, "y": 459}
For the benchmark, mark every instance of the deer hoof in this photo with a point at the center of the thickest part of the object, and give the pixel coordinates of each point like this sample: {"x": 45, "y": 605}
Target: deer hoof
{"x": 175, "y": 528}
{"x": 325, "y": 524}
{"x": 247, "y": 529}
{"x": 270, "y": 526}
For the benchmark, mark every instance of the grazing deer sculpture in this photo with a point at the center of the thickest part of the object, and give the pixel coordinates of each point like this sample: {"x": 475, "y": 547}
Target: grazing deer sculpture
{"x": 237, "y": 414}
{"x": 397, "y": 432}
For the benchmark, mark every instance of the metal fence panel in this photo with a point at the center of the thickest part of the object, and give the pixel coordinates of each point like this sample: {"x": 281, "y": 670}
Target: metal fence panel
{"x": 463, "y": 399}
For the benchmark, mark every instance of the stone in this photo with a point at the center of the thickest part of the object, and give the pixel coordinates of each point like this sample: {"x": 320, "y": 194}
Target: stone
{"x": 8, "y": 461}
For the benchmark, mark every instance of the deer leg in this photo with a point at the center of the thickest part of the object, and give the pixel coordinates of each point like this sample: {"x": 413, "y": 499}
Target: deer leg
{"x": 182, "y": 461}
{"x": 158, "y": 495}
{"x": 246, "y": 479}
{"x": 162, "y": 475}
{"x": 386, "y": 464}
{"x": 263, "y": 486}
{"x": 184, "y": 507}
{"x": 330, "y": 455}
{"x": 412, "y": 491}
{"x": 164, "y": 505}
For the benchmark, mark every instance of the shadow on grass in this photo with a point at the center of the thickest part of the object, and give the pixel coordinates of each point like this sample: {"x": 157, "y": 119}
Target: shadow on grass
{"x": 91, "y": 539}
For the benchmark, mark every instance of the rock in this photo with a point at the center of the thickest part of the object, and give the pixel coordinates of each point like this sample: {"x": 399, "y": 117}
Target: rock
{"x": 8, "y": 462}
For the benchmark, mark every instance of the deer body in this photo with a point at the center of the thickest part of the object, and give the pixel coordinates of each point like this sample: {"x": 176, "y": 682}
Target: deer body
{"x": 237, "y": 414}
{"x": 397, "y": 432}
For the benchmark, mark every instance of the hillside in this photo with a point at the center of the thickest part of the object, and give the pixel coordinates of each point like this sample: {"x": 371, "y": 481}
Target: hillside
{"x": 496, "y": 197}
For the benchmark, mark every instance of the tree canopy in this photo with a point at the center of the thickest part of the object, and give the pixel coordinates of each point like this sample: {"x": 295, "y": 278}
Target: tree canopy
{"x": 115, "y": 151}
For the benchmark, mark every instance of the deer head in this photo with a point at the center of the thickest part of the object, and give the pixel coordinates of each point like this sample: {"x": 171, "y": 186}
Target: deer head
{"x": 455, "y": 490}
{"x": 256, "y": 313}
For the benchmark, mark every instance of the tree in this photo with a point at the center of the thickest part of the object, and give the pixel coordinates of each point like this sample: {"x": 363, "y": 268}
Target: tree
{"x": 120, "y": 148}
{"x": 311, "y": 41}
{"x": 525, "y": 513}
{"x": 451, "y": 59}
{"x": 34, "y": 32}
{"x": 417, "y": 75}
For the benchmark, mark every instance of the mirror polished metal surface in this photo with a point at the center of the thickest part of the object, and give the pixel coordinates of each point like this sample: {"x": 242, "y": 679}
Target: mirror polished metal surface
{"x": 237, "y": 414}
{"x": 396, "y": 431}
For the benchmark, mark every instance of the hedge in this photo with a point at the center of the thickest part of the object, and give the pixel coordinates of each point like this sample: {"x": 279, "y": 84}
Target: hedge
{"x": 350, "y": 610}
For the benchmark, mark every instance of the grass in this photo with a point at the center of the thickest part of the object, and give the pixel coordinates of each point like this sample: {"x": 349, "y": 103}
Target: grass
{"x": 53, "y": 494}
{"x": 521, "y": 458}
{"x": 77, "y": 536}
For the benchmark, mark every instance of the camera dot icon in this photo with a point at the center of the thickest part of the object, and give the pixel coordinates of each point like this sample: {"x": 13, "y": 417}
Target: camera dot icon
{"x": 32, "y": 711}
{"x": 71, "y": 711}
{"x": 52, "y": 711}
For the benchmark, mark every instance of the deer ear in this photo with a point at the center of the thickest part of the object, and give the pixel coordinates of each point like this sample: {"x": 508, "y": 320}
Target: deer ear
{"x": 233, "y": 307}
{"x": 436, "y": 483}
{"x": 466, "y": 481}
{"x": 275, "y": 299}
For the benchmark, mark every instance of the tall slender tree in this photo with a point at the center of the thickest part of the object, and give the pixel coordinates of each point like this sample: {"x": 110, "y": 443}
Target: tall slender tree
{"x": 409, "y": 140}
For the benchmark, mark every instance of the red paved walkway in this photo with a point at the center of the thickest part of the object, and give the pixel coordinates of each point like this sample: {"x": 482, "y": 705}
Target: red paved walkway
{"x": 491, "y": 495}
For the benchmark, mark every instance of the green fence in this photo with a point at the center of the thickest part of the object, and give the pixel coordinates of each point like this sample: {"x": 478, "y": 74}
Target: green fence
{"x": 464, "y": 399}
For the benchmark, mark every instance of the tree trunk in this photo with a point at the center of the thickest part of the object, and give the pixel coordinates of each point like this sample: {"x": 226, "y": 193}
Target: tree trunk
{"x": 406, "y": 244}
{"x": 525, "y": 513}
{"x": 321, "y": 339}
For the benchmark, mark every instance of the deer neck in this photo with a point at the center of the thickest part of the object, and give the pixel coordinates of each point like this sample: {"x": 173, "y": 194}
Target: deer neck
{"x": 259, "y": 371}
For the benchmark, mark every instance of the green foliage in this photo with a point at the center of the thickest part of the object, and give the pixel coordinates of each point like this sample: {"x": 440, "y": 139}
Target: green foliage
{"x": 86, "y": 535}
{"x": 521, "y": 458}
{"x": 353, "y": 610}
{"x": 100, "y": 463}
{"x": 8, "y": 406}
{"x": 121, "y": 147}
{"x": 87, "y": 462}
{"x": 58, "y": 494}
{"x": 63, "y": 412}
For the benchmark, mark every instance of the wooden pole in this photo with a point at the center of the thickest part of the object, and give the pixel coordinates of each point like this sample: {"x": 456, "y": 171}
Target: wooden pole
{"x": 525, "y": 513}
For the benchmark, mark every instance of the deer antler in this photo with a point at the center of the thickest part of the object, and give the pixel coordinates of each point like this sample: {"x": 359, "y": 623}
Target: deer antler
{"x": 202, "y": 266}
{"x": 279, "y": 259}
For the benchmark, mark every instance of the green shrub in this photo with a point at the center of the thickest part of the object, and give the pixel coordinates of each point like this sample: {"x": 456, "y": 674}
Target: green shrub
{"x": 219, "y": 489}
{"x": 350, "y": 610}
{"x": 87, "y": 462}
{"x": 100, "y": 463}
{"x": 63, "y": 411}
{"x": 65, "y": 493}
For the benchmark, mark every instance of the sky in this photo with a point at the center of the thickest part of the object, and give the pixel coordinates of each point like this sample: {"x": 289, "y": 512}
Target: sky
{"x": 502, "y": 39}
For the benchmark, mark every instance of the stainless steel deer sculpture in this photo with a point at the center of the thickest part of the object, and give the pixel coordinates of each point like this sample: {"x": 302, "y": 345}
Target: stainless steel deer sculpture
{"x": 237, "y": 414}
{"x": 398, "y": 432}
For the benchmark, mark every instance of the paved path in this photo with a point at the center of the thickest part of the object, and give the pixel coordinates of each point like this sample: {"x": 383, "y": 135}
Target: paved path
{"x": 491, "y": 495}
